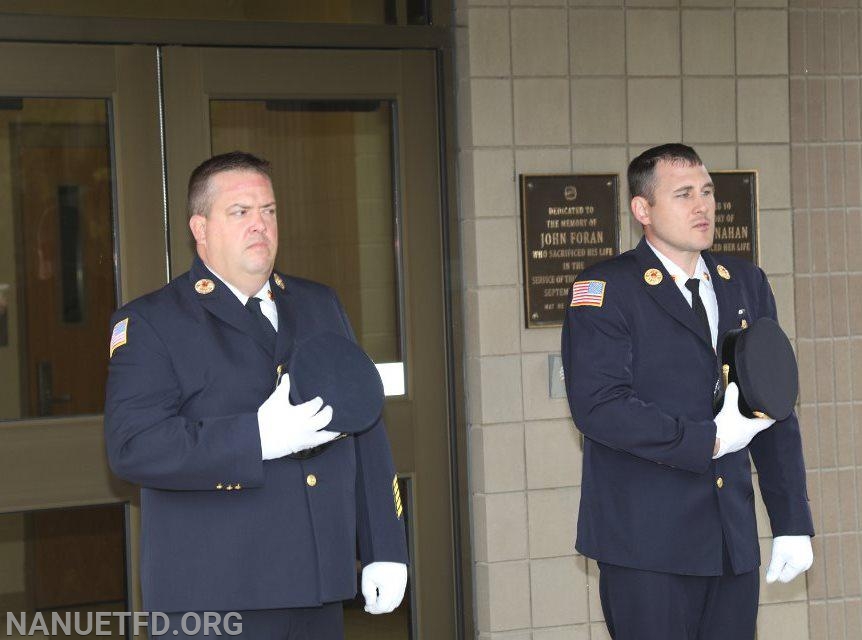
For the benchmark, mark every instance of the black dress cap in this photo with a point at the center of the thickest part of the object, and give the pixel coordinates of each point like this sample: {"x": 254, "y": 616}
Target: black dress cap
{"x": 341, "y": 373}
{"x": 760, "y": 360}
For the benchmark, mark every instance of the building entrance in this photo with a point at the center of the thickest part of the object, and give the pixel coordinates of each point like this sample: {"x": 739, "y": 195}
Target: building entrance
{"x": 95, "y": 216}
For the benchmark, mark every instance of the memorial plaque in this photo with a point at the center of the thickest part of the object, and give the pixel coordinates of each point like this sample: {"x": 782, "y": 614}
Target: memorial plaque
{"x": 736, "y": 215}
{"x": 569, "y": 222}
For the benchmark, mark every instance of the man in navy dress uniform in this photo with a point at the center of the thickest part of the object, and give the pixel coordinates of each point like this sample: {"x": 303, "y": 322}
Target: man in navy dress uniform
{"x": 667, "y": 504}
{"x": 248, "y": 503}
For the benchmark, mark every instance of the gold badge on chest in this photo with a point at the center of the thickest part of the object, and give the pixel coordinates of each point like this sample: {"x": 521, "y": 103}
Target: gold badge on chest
{"x": 653, "y": 277}
{"x": 723, "y": 272}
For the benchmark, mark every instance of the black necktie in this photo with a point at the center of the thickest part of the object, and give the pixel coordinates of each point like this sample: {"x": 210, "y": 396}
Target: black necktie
{"x": 253, "y": 305}
{"x": 693, "y": 285}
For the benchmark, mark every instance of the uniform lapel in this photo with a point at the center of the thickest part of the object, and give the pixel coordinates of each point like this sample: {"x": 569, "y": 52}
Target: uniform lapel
{"x": 666, "y": 293}
{"x": 727, "y": 295}
{"x": 224, "y": 305}
{"x": 285, "y": 303}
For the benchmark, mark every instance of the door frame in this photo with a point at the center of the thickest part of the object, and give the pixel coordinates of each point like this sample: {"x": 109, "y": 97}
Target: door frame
{"x": 31, "y": 29}
{"x": 192, "y": 77}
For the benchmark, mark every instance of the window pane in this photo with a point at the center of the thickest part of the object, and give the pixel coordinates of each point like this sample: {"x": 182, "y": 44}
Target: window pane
{"x": 57, "y": 286}
{"x": 332, "y": 167}
{"x": 419, "y": 12}
{"x": 65, "y": 565}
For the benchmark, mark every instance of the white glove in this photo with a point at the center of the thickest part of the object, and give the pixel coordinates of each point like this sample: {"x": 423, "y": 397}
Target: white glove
{"x": 383, "y": 585}
{"x": 734, "y": 431}
{"x": 286, "y": 428}
{"x": 791, "y": 555}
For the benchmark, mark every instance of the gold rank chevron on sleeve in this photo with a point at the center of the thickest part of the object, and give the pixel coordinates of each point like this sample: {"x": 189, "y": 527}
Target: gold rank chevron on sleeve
{"x": 396, "y": 494}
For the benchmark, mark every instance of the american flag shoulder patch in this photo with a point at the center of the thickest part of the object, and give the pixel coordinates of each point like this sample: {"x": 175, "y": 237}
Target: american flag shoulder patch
{"x": 588, "y": 293}
{"x": 119, "y": 336}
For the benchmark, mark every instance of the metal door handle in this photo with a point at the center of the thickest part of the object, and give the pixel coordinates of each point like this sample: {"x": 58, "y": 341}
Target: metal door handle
{"x": 44, "y": 381}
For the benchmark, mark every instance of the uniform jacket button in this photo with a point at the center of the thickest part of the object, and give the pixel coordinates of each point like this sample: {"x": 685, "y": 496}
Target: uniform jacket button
{"x": 311, "y": 480}
{"x": 720, "y": 482}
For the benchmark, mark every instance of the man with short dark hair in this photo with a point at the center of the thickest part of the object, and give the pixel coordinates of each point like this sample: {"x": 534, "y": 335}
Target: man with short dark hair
{"x": 248, "y": 503}
{"x": 667, "y": 506}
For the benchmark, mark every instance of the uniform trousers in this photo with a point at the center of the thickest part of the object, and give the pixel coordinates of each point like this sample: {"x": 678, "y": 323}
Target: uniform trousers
{"x": 311, "y": 623}
{"x": 648, "y": 605}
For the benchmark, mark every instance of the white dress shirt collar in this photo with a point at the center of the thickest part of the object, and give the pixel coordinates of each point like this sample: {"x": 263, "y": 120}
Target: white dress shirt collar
{"x": 677, "y": 273}
{"x": 267, "y": 304}
{"x": 706, "y": 290}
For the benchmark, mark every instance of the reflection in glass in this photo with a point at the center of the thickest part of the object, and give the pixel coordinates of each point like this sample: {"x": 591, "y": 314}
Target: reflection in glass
{"x": 71, "y": 267}
{"x": 56, "y": 255}
{"x": 419, "y": 12}
{"x": 68, "y": 562}
{"x": 333, "y": 172}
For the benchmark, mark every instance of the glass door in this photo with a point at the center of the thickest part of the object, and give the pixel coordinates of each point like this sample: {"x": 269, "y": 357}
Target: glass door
{"x": 80, "y": 195}
{"x": 353, "y": 140}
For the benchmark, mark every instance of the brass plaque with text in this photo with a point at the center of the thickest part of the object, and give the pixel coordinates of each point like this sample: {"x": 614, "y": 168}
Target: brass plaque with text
{"x": 736, "y": 214}
{"x": 569, "y": 222}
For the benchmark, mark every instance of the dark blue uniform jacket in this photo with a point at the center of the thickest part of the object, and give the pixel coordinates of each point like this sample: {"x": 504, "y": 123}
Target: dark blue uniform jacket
{"x": 640, "y": 378}
{"x": 221, "y": 529}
